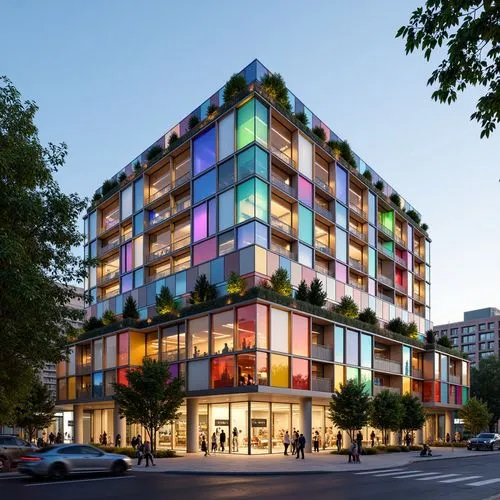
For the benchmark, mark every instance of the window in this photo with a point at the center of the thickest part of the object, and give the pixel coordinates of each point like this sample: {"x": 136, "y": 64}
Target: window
{"x": 305, "y": 156}
{"x": 123, "y": 341}
{"x": 341, "y": 185}
{"x": 204, "y": 151}
{"x": 305, "y": 192}
{"x": 198, "y": 337}
{"x": 366, "y": 350}
{"x": 300, "y": 335}
{"x": 223, "y": 332}
{"x": 339, "y": 344}
{"x": 340, "y": 244}
{"x": 252, "y": 322}
{"x": 252, "y": 200}
{"x": 280, "y": 330}
{"x": 280, "y": 371}
{"x": 126, "y": 202}
{"x": 205, "y": 251}
{"x": 226, "y": 243}
{"x": 252, "y": 124}
{"x": 352, "y": 348}
{"x": 226, "y": 136}
{"x": 138, "y": 194}
{"x": 252, "y": 161}
{"x": 305, "y": 255}
{"x": 126, "y": 257}
{"x": 226, "y": 209}
{"x": 226, "y": 174}
{"x": 482, "y": 327}
{"x": 246, "y": 369}
{"x": 305, "y": 225}
{"x": 340, "y": 215}
{"x": 110, "y": 352}
{"x": 300, "y": 373}
{"x": 222, "y": 372}
{"x": 204, "y": 186}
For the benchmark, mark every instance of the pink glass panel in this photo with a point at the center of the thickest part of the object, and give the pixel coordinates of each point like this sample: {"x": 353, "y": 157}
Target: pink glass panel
{"x": 371, "y": 287}
{"x": 204, "y": 251}
{"x": 340, "y": 272}
{"x": 122, "y": 376}
{"x": 458, "y": 394}
{"x": 123, "y": 349}
{"x": 399, "y": 277}
{"x": 300, "y": 335}
{"x": 200, "y": 222}
{"x": 300, "y": 373}
{"x": 305, "y": 192}
{"x": 246, "y": 320}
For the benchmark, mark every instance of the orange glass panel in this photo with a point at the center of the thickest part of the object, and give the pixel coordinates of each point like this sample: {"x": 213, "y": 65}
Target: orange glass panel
{"x": 300, "y": 335}
{"x": 223, "y": 372}
{"x": 300, "y": 373}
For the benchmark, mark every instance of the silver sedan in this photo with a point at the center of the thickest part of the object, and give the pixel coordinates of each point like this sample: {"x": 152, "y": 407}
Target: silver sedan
{"x": 58, "y": 461}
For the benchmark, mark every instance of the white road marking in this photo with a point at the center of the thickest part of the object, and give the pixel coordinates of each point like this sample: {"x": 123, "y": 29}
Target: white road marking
{"x": 411, "y": 476}
{"x": 436, "y": 477}
{"x": 397, "y": 473}
{"x": 53, "y": 483}
{"x": 459, "y": 479}
{"x": 482, "y": 483}
{"x": 378, "y": 470}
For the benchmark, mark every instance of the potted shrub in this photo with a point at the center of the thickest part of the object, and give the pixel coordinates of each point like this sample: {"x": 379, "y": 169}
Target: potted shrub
{"x": 122, "y": 177}
{"x": 302, "y": 117}
{"x": 318, "y": 131}
{"x": 154, "y": 152}
{"x": 425, "y": 227}
{"x": 137, "y": 167}
{"x": 172, "y": 139}
{"x": 396, "y": 199}
{"x": 212, "y": 108}
{"x": 379, "y": 185}
{"x": 274, "y": 85}
{"x": 193, "y": 121}
{"x": 234, "y": 86}
{"x": 367, "y": 175}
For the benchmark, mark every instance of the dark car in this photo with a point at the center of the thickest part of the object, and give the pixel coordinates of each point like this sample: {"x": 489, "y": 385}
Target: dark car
{"x": 11, "y": 450}
{"x": 484, "y": 441}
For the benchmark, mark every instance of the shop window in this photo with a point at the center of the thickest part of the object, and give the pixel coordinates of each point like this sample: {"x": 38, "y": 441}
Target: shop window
{"x": 222, "y": 372}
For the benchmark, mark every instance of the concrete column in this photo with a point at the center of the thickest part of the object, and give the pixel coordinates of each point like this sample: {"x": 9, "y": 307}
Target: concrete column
{"x": 192, "y": 425}
{"x": 120, "y": 426}
{"x": 97, "y": 427}
{"x": 78, "y": 423}
{"x": 419, "y": 436}
{"x": 306, "y": 422}
{"x": 448, "y": 424}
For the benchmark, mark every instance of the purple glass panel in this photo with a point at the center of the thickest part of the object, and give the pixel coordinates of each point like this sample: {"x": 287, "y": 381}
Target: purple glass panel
{"x": 200, "y": 222}
{"x": 127, "y": 283}
{"x": 316, "y": 122}
{"x": 212, "y": 209}
{"x": 341, "y": 185}
{"x": 204, "y": 151}
{"x": 246, "y": 235}
{"x": 371, "y": 286}
{"x": 214, "y": 100}
{"x": 305, "y": 192}
{"x": 204, "y": 251}
{"x": 184, "y": 125}
{"x": 340, "y": 272}
{"x": 126, "y": 258}
{"x": 174, "y": 370}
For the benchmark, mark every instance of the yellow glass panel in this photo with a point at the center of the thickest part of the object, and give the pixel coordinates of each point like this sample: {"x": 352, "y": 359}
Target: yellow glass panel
{"x": 406, "y": 385}
{"x": 137, "y": 348}
{"x": 260, "y": 260}
{"x": 339, "y": 375}
{"x": 71, "y": 388}
{"x": 280, "y": 371}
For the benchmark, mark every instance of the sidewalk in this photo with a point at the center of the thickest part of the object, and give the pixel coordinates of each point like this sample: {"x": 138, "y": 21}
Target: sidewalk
{"x": 318, "y": 463}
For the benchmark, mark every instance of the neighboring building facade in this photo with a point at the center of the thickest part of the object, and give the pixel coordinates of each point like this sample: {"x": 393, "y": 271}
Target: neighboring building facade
{"x": 250, "y": 189}
{"x": 477, "y": 335}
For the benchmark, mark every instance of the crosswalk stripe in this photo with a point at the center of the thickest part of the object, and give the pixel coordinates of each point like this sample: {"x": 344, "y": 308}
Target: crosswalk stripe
{"x": 459, "y": 479}
{"x": 436, "y": 477}
{"x": 396, "y": 473}
{"x": 482, "y": 483}
{"x": 411, "y": 476}
{"x": 378, "y": 470}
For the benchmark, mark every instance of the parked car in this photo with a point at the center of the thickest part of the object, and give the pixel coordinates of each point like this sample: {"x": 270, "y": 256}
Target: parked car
{"x": 12, "y": 449}
{"x": 485, "y": 440}
{"x": 58, "y": 461}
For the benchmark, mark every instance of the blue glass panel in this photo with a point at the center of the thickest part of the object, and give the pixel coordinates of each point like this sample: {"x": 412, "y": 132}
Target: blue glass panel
{"x": 204, "y": 109}
{"x": 286, "y": 264}
{"x": 93, "y": 249}
{"x": 444, "y": 393}
{"x": 305, "y": 255}
{"x": 372, "y": 208}
{"x": 139, "y": 277}
{"x": 159, "y": 285}
{"x": 119, "y": 304}
{"x": 204, "y": 186}
{"x": 341, "y": 185}
{"x": 170, "y": 283}
{"x": 246, "y": 235}
{"x": 99, "y": 310}
{"x": 97, "y": 385}
{"x": 127, "y": 283}
{"x": 340, "y": 244}
{"x": 204, "y": 151}
{"x": 138, "y": 194}
{"x": 180, "y": 283}
{"x": 340, "y": 215}
{"x": 93, "y": 295}
{"x": 261, "y": 234}
{"x": 143, "y": 313}
{"x": 372, "y": 236}
{"x": 251, "y": 72}
{"x": 217, "y": 271}
{"x": 151, "y": 294}
{"x": 139, "y": 223}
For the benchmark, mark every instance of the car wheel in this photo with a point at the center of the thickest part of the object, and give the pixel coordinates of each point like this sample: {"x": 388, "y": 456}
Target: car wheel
{"x": 6, "y": 464}
{"x": 119, "y": 468}
{"x": 57, "y": 472}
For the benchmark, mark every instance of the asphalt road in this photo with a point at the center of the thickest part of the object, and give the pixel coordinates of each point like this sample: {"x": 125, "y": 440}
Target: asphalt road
{"x": 468, "y": 478}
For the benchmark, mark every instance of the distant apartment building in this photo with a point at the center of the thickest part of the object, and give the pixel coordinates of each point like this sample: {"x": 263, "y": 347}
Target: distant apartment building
{"x": 477, "y": 335}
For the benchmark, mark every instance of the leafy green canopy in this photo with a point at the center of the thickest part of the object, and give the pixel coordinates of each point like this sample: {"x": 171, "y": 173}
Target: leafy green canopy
{"x": 386, "y": 413}
{"x": 485, "y": 385}
{"x": 475, "y": 415}
{"x": 347, "y": 307}
{"x": 469, "y": 29}
{"x": 38, "y": 228}
{"x": 413, "y": 416}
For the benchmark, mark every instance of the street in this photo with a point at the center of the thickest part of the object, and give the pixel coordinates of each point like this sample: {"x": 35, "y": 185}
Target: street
{"x": 468, "y": 478}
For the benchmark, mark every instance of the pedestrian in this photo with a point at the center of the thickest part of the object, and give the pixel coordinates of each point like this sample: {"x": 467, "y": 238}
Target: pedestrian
{"x": 359, "y": 441}
{"x": 133, "y": 442}
{"x": 100, "y": 438}
{"x": 408, "y": 439}
{"x": 286, "y": 442}
{"x": 104, "y": 439}
{"x": 147, "y": 454}
{"x": 353, "y": 450}
{"x": 222, "y": 440}
{"x": 235, "y": 439}
{"x": 293, "y": 443}
{"x": 118, "y": 440}
{"x": 39, "y": 442}
{"x": 140, "y": 452}
{"x": 316, "y": 441}
{"x": 339, "y": 441}
{"x": 52, "y": 438}
{"x": 204, "y": 446}
{"x": 448, "y": 437}
{"x": 214, "y": 442}
{"x": 59, "y": 438}
{"x": 301, "y": 445}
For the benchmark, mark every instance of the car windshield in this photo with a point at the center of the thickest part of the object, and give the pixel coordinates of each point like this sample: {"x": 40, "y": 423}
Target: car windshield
{"x": 484, "y": 435}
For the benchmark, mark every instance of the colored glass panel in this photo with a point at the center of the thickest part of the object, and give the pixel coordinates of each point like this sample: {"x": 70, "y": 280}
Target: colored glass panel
{"x": 138, "y": 223}
{"x": 252, "y": 161}
{"x": 366, "y": 350}
{"x": 372, "y": 262}
{"x": 340, "y": 244}
{"x": 339, "y": 376}
{"x": 92, "y": 226}
{"x": 305, "y": 156}
{"x": 340, "y": 272}
{"x": 352, "y": 347}
{"x": 246, "y": 235}
{"x": 138, "y": 194}
{"x": 352, "y": 374}
{"x": 204, "y": 186}
{"x": 305, "y": 192}
{"x": 245, "y": 206}
{"x": 222, "y": 372}
{"x": 339, "y": 344}
{"x": 300, "y": 335}
{"x": 123, "y": 340}
{"x": 226, "y": 136}
{"x": 261, "y": 123}
{"x": 226, "y": 174}
{"x": 372, "y": 208}
{"x": 226, "y": 209}
{"x": 406, "y": 361}
{"x": 305, "y": 225}
{"x": 340, "y": 215}
{"x": 387, "y": 220}
{"x": 366, "y": 381}
{"x": 212, "y": 217}
{"x": 305, "y": 255}
{"x": 204, "y": 251}
{"x": 280, "y": 330}
{"x": 204, "y": 151}
{"x": 280, "y": 371}
{"x": 223, "y": 332}
{"x": 127, "y": 282}
{"x": 300, "y": 373}
{"x": 126, "y": 202}
{"x": 341, "y": 185}
{"x": 245, "y": 128}
{"x": 200, "y": 222}
{"x": 406, "y": 385}
{"x": 262, "y": 368}
{"x": 261, "y": 200}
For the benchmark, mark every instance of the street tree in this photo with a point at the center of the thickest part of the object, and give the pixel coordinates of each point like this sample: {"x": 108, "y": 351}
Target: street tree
{"x": 413, "y": 415}
{"x": 475, "y": 415}
{"x": 469, "y": 31}
{"x": 151, "y": 397}
{"x": 485, "y": 385}
{"x": 349, "y": 408}
{"x": 386, "y": 413}
{"x": 38, "y": 229}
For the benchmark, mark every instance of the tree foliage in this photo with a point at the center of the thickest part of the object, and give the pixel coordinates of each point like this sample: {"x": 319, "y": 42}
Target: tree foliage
{"x": 343, "y": 149}
{"x": 280, "y": 282}
{"x": 38, "y": 229}
{"x": 130, "y": 309}
{"x": 36, "y": 411}
{"x": 302, "y": 291}
{"x": 165, "y": 302}
{"x": 445, "y": 342}
{"x": 349, "y": 408}
{"x": 302, "y": 117}
{"x": 92, "y": 323}
{"x": 368, "y": 316}
{"x": 475, "y": 415}
{"x": 236, "y": 284}
{"x": 397, "y": 325}
{"x": 347, "y": 307}
{"x": 386, "y": 413}
{"x": 275, "y": 86}
{"x": 485, "y": 385}
{"x": 413, "y": 415}
{"x": 203, "y": 291}
{"x": 430, "y": 337}
{"x": 469, "y": 30}
{"x": 108, "y": 317}
{"x": 234, "y": 86}
{"x": 317, "y": 296}
{"x": 152, "y": 397}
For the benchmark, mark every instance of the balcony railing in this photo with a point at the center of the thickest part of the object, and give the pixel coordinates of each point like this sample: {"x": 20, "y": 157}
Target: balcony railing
{"x": 400, "y": 288}
{"x": 110, "y": 246}
{"x": 385, "y": 280}
{"x": 183, "y": 242}
{"x": 282, "y": 156}
{"x": 160, "y": 217}
{"x": 110, "y": 225}
{"x": 283, "y": 226}
{"x": 158, "y": 254}
{"x": 158, "y": 194}
{"x": 417, "y": 373}
{"x": 322, "y": 384}
{"x": 358, "y": 234}
{"x": 383, "y": 296}
{"x": 84, "y": 368}
{"x": 400, "y": 240}
{"x": 419, "y": 274}
{"x": 385, "y": 251}
{"x": 322, "y": 352}
{"x": 126, "y": 236}
{"x": 181, "y": 267}
{"x": 181, "y": 180}
{"x": 157, "y": 276}
{"x": 386, "y": 365}
{"x": 359, "y": 286}
{"x": 324, "y": 249}
{"x": 109, "y": 295}
{"x": 283, "y": 186}
{"x": 419, "y": 298}
{"x": 358, "y": 210}
{"x": 400, "y": 261}
{"x": 322, "y": 269}
{"x": 455, "y": 380}
{"x": 385, "y": 230}
{"x": 323, "y": 185}
{"x": 358, "y": 265}
{"x": 180, "y": 206}
{"x": 282, "y": 251}
{"x": 323, "y": 211}
{"x": 377, "y": 389}
{"x": 106, "y": 278}
{"x": 419, "y": 254}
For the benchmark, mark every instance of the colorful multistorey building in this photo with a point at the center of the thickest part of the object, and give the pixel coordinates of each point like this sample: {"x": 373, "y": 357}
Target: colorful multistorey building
{"x": 250, "y": 189}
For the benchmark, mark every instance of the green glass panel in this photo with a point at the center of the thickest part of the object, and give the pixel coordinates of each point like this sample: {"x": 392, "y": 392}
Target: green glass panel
{"x": 245, "y": 128}
{"x": 389, "y": 246}
{"x": 352, "y": 374}
{"x": 465, "y": 395}
{"x": 366, "y": 380}
{"x": 261, "y": 200}
{"x": 261, "y": 119}
{"x": 406, "y": 360}
{"x": 339, "y": 344}
{"x": 245, "y": 204}
{"x": 305, "y": 225}
{"x": 246, "y": 163}
{"x": 387, "y": 220}
{"x": 261, "y": 163}
{"x": 372, "y": 262}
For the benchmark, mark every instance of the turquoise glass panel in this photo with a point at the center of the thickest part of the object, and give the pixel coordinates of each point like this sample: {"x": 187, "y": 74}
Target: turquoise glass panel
{"x": 372, "y": 262}
{"x": 261, "y": 123}
{"x": 138, "y": 194}
{"x": 261, "y": 200}
{"x": 226, "y": 209}
{"x": 352, "y": 374}
{"x": 444, "y": 393}
{"x": 305, "y": 225}
{"x": 340, "y": 215}
{"x": 245, "y": 126}
{"x": 366, "y": 351}
{"x": 366, "y": 381}
{"x": 245, "y": 204}
{"x": 339, "y": 344}
{"x": 340, "y": 244}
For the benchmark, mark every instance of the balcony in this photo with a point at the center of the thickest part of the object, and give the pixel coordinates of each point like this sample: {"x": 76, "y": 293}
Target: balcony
{"x": 323, "y": 269}
{"x": 324, "y": 186}
{"x": 157, "y": 276}
{"x": 111, "y": 294}
{"x": 377, "y": 389}
{"x": 83, "y": 368}
{"x": 419, "y": 274}
{"x": 385, "y": 280}
{"x": 322, "y": 384}
{"x": 161, "y": 192}
{"x": 158, "y": 254}
{"x": 419, "y": 254}
{"x": 455, "y": 380}
{"x": 385, "y": 297}
{"x": 160, "y": 217}
{"x": 358, "y": 210}
{"x": 400, "y": 288}
{"x": 386, "y": 365}
{"x": 106, "y": 278}
{"x": 355, "y": 232}
{"x": 419, "y": 298}
{"x": 183, "y": 242}
{"x": 180, "y": 206}
{"x": 417, "y": 373}
{"x": 320, "y": 247}
{"x": 279, "y": 183}
{"x": 385, "y": 251}
{"x": 108, "y": 226}
{"x": 400, "y": 241}
{"x": 283, "y": 226}
{"x": 399, "y": 260}
{"x": 322, "y": 352}
{"x": 282, "y": 251}
{"x": 359, "y": 286}
{"x": 112, "y": 245}
{"x": 385, "y": 230}
{"x": 181, "y": 267}
{"x": 181, "y": 180}
{"x": 358, "y": 265}
{"x": 323, "y": 212}
{"x": 287, "y": 160}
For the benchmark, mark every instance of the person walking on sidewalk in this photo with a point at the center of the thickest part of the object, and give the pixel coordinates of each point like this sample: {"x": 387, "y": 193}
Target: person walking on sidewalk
{"x": 339, "y": 441}
{"x": 359, "y": 441}
{"x": 147, "y": 454}
{"x": 222, "y": 440}
{"x": 214, "y": 442}
{"x": 301, "y": 445}
{"x": 286, "y": 442}
{"x": 293, "y": 442}
{"x": 372, "y": 437}
{"x": 316, "y": 442}
{"x": 204, "y": 446}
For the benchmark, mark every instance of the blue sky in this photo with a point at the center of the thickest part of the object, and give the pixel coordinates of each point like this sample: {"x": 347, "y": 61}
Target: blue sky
{"x": 111, "y": 77}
